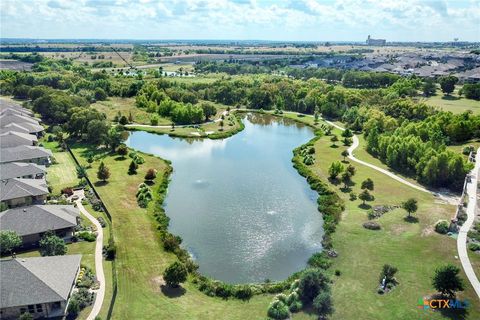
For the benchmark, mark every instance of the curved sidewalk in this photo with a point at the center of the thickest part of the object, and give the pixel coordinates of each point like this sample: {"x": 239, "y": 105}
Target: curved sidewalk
{"x": 100, "y": 295}
{"x": 471, "y": 192}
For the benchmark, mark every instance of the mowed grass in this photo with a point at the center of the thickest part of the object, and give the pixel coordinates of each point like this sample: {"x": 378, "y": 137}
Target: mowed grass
{"x": 141, "y": 258}
{"x": 63, "y": 173}
{"x": 454, "y": 102}
{"x": 126, "y": 106}
{"x": 414, "y": 248}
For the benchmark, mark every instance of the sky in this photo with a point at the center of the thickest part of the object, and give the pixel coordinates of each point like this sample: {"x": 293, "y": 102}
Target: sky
{"x": 301, "y": 20}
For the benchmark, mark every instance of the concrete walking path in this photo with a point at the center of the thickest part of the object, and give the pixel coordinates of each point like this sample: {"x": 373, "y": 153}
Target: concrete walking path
{"x": 100, "y": 294}
{"x": 471, "y": 193}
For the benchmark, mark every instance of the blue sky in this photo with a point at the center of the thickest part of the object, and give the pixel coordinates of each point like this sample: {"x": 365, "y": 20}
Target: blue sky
{"x": 316, "y": 20}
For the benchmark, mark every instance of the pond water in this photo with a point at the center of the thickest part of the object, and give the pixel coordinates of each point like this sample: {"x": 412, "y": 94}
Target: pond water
{"x": 243, "y": 211}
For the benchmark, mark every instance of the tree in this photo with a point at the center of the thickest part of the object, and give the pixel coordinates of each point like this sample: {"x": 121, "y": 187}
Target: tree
{"x": 97, "y": 131}
{"x": 447, "y": 281}
{"x": 410, "y": 206}
{"x": 123, "y": 120}
{"x": 278, "y": 310}
{"x": 346, "y": 178}
{"x": 81, "y": 172}
{"x": 323, "y": 304}
{"x": 312, "y": 282}
{"x": 122, "y": 150}
{"x": 368, "y": 184}
{"x": 447, "y": 83}
{"x": 9, "y": 240}
{"x": 351, "y": 170}
{"x": 132, "y": 168}
{"x": 113, "y": 138}
{"x": 388, "y": 272}
{"x": 334, "y": 139}
{"x": 175, "y": 274}
{"x": 52, "y": 245}
{"x": 344, "y": 155}
{"x": 335, "y": 169}
{"x": 365, "y": 196}
{"x": 347, "y": 133}
{"x": 103, "y": 172}
{"x": 100, "y": 94}
{"x": 429, "y": 88}
{"x": 208, "y": 110}
{"x": 151, "y": 174}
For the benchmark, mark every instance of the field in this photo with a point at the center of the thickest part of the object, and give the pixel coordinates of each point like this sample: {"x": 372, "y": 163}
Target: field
{"x": 453, "y": 103}
{"x": 63, "y": 173}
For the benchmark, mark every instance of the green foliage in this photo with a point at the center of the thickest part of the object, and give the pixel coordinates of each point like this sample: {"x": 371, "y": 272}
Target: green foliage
{"x": 175, "y": 274}
{"x": 9, "y": 240}
{"x": 429, "y": 88}
{"x": 122, "y": 150}
{"x": 151, "y": 174}
{"x": 474, "y": 246}
{"x": 312, "y": 282}
{"x": 442, "y": 227}
{"x": 209, "y": 110}
{"x": 52, "y": 245}
{"x": 368, "y": 184}
{"x": 132, "y": 168}
{"x": 278, "y": 310}
{"x": 388, "y": 272}
{"x": 335, "y": 169}
{"x": 365, "y": 196}
{"x": 410, "y": 206}
{"x": 323, "y": 304}
{"x": 144, "y": 194}
{"x": 447, "y": 281}
{"x": 103, "y": 172}
{"x": 471, "y": 91}
{"x": 87, "y": 236}
{"x": 320, "y": 260}
{"x": 25, "y": 316}
{"x": 447, "y": 83}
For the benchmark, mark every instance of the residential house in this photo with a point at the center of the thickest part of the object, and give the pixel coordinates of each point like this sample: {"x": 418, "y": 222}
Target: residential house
{"x": 21, "y": 170}
{"x": 41, "y": 286}
{"x": 25, "y": 127}
{"x": 31, "y": 222}
{"x": 12, "y": 139}
{"x": 14, "y": 127}
{"x": 30, "y": 123}
{"x": 30, "y": 154}
{"x": 19, "y": 192}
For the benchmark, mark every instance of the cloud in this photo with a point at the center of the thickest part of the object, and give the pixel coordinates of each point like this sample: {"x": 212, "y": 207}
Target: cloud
{"x": 236, "y": 19}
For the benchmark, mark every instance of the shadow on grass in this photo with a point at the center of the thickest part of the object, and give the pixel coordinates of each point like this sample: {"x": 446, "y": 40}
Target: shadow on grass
{"x": 100, "y": 183}
{"x": 149, "y": 182}
{"x": 120, "y": 158}
{"x": 364, "y": 206}
{"x": 172, "y": 292}
{"x": 411, "y": 219}
{"x": 333, "y": 181}
{"x": 346, "y": 189}
{"x": 333, "y": 146}
{"x": 449, "y": 97}
{"x": 454, "y": 314}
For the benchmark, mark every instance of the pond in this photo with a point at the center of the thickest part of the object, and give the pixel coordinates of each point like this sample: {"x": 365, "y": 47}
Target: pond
{"x": 243, "y": 212}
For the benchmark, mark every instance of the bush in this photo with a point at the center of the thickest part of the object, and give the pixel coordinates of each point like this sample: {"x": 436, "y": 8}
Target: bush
{"x": 353, "y": 196}
{"x": 338, "y": 273}
{"x": 87, "y": 236}
{"x": 312, "y": 282}
{"x": 110, "y": 249}
{"x": 175, "y": 274}
{"x": 323, "y": 304}
{"x": 67, "y": 191}
{"x": 371, "y": 225}
{"x": 278, "y": 310}
{"x": 320, "y": 260}
{"x": 442, "y": 227}
{"x": 474, "y": 246}
{"x": 151, "y": 174}
{"x": 243, "y": 292}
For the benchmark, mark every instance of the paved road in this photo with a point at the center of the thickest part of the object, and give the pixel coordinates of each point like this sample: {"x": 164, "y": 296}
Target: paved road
{"x": 471, "y": 192}
{"x": 98, "y": 262}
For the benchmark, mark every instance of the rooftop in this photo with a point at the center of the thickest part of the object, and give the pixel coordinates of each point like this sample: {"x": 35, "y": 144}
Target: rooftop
{"x": 11, "y": 139}
{"x": 39, "y": 218}
{"x": 20, "y": 169}
{"x": 21, "y": 153}
{"x": 19, "y": 188}
{"x": 37, "y": 280}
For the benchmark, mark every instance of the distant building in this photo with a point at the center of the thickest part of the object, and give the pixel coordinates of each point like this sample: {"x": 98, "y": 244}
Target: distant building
{"x": 375, "y": 42}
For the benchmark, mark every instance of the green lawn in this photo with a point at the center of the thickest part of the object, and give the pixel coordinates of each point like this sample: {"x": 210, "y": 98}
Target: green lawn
{"x": 412, "y": 247}
{"x": 63, "y": 172}
{"x": 141, "y": 258}
{"x": 453, "y": 102}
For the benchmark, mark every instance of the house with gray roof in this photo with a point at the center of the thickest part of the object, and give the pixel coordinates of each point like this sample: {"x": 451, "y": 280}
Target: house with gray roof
{"x": 21, "y": 170}
{"x": 18, "y": 110}
{"x": 30, "y": 154}
{"x": 19, "y": 192}
{"x": 32, "y": 128}
{"x": 12, "y": 139}
{"x": 15, "y": 128}
{"x": 16, "y": 118}
{"x": 40, "y": 286}
{"x": 31, "y": 222}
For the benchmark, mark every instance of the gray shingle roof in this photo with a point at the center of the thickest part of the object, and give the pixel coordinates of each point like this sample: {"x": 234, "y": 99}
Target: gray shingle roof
{"x": 22, "y": 153}
{"x": 20, "y": 111}
{"x": 16, "y": 118}
{"x": 12, "y": 139}
{"x": 14, "y": 127}
{"x": 20, "y": 169}
{"x": 37, "y": 280}
{"x": 12, "y": 105}
{"x": 19, "y": 188}
{"x": 39, "y": 218}
{"x": 31, "y": 127}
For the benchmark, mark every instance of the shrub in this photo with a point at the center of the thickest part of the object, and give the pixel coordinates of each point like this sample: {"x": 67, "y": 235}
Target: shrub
{"x": 312, "y": 282}
{"x": 87, "y": 236}
{"x": 67, "y": 191}
{"x": 243, "y": 292}
{"x": 320, "y": 260}
{"x": 371, "y": 225}
{"x": 175, "y": 274}
{"x": 295, "y": 306}
{"x": 122, "y": 150}
{"x": 278, "y": 310}
{"x": 353, "y": 196}
{"x": 323, "y": 304}
{"x": 380, "y": 291}
{"x": 474, "y": 246}
{"x": 338, "y": 273}
{"x": 151, "y": 174}
{"x": 171, "y": 242}
{"x": 442, "y": 227}
{"x": 388, "y": 272}
{"x": 110, "y": 249}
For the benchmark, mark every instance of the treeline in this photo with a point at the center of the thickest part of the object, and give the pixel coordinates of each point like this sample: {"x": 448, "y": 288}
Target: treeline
{"x": 31, "y": 58}
{"x": 412, "y": 139}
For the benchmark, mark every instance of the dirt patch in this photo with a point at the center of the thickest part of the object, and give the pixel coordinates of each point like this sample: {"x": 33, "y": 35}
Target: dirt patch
{"x": 398, "y": 229}
{"x": 157, "y": 283}
{"x": 427, "y": 231}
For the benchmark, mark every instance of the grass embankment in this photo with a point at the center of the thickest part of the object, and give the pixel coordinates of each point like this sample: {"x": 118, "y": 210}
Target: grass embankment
{"x": 412, "y": 247}
{"x": 141, "y": 258}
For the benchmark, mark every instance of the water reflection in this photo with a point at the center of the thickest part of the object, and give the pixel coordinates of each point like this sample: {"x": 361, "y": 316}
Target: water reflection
{"x": 243, "y": 211}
